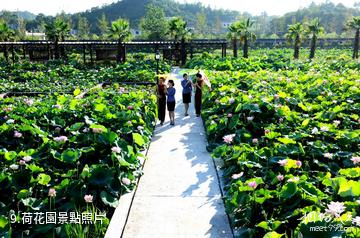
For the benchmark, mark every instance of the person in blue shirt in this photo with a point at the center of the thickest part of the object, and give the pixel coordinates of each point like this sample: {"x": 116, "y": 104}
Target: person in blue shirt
{"x": 186, "y": 93}
{"x": 171, "y": 101}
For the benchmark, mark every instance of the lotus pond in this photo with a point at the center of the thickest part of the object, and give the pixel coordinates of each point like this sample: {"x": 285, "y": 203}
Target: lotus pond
{"x": 59, "y": 77}
{"x": 288, "y": 140}
{"x": 66, "y": 160}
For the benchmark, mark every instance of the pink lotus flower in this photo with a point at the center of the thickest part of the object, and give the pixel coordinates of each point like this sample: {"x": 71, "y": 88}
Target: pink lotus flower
{"x": 255, "y": 141}
{"x": 126, "y": 181}
{"x": 60, "y": 139}
{"x": 335, "y": 208}
{"x": 280, "y": 177}
{"x": 328, "y": 155}
{"x": 337, "y": 122}
{"x": 356, "y": 221}
{"x": 267, "y": 131}
{"x": 231, "y": 100}
{"x": 293, "y": 180}
{"x": 314, "y": 131}
{"x": 229, "y": 138}
{"x": 355, "y": 159}
{"x": 7, "y": 109}
{"x": 324, "y": 128}
{"x": 298, "y": 163}
{"x": 22, "y": 162}
{"x": 17, "y": 134}
{"x": 130, "y": 107}
{"x": 122, "y": 90}
{"x": 14, "y": 167}
{"x": 10, "y": 121}
{"x": 29, "y": 101}
{"x": 283, "y": 162}
{"x": 27, "y": 158}
{"x": 52, "y": 192}
{"x": 129, "y": 123}
{"x": 237, "y": 176}
{"x": 252, "y": 184}
{"x": 88, "y": 198}
{"x": 250, "y": 118}
{"x": 116, "y": 149}
{"x": 229, "y": 115}
{"x": 98, "y": 130}
{"x": 57, "y": 106}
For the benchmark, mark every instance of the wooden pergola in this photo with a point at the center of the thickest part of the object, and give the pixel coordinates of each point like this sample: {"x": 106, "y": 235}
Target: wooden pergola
{"x": 109, "y": 50}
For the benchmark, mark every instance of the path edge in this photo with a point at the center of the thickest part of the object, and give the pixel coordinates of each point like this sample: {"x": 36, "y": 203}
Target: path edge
{"x": 120, "y": 217}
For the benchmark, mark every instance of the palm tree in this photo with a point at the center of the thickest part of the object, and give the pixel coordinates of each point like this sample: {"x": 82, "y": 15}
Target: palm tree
{"x": 246, "y": 35}
{"x": 234, "y": 32}
{"x": 314, "y": 28}
{"x": 6, "y": 34}
{"x": 120, "y": 30}
{"x": 296, "y": 33}
{"x": 56, "y": 32}
{"x": 354, "y": 24}
{"x": 177, "y": 29}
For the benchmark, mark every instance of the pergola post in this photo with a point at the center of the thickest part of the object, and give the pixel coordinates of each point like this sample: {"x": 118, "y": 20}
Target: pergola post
{"x": 191, "y": 50}
{"x": 123, "y": 51}
{"x": 183, "y": 52}
{"x": 84, "y": 53}
{"x": 6, "y": 54}
{"x": 91, "y": 54}
{"x": 12, "y": 53}
{"x": 24, "y": 51}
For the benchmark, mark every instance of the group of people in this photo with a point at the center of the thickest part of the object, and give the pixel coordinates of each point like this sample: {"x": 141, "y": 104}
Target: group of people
{"x": 166, "y": 96}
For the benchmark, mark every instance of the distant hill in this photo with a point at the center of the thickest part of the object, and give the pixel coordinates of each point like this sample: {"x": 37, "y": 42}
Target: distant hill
{"x": 332, "y": 16}
{"x": 22, "y": 14}
{"x": 133, "y": 10}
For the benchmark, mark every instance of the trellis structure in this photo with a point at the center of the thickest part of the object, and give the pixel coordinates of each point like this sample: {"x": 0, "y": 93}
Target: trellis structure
{"x": 109, "y": 50}
{"x": 321, "y": 42}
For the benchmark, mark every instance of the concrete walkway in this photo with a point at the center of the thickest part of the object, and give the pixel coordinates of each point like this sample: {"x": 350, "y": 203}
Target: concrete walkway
{"x": 179, "y": 194}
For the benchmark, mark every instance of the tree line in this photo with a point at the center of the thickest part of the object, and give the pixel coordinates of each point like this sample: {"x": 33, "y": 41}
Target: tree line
{"x": 204, "y": 21}
{"x": 296, "y": 34}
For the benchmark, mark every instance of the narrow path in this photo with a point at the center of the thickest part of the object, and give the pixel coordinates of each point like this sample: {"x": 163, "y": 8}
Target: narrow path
{"x": 179, "y": 194}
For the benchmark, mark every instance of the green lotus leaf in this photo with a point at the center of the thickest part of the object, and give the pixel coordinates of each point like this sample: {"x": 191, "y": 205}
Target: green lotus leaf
{"x": 3, "y": 221}
{"x": 43, "y": 179}
{"x": 138, "y": 139}
{"x": 70, "y": 155}
{"x": 109, "y": 200}
{"x": 273, "y": 234}
{"x": 288, "y": 190}
{"x": 101, "y": 175}
{"x": 10, "y": 155}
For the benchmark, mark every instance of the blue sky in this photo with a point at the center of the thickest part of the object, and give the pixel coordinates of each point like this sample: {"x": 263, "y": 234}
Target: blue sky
{"x": 272, "y": 7}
